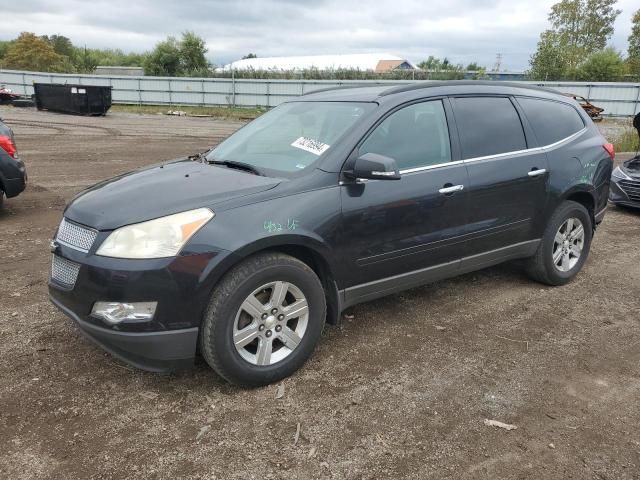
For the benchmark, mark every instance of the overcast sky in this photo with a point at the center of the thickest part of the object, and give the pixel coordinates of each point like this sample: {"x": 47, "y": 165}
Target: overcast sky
{"x": 462, "y": 30}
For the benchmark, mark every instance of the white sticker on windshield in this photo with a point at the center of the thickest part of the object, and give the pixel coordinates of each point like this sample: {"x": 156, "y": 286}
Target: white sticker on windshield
{"x": 310, "y": 145}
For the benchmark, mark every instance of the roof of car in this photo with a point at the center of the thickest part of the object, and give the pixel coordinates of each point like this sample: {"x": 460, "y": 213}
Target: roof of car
{"x": 359, "y": 93}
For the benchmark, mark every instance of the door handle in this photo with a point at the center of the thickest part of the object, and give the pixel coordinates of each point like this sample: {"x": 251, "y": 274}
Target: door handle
{"x": 452, "y": 189}
{"x": 537, "y": 172}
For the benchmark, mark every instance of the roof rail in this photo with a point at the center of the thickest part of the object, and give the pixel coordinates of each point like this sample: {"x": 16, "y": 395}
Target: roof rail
{"x": 446, "y": 83}
{"x": 340, "y": 87}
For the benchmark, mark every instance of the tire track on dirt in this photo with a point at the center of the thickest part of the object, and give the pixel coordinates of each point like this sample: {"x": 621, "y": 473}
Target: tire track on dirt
{"x": 64, "y": 127}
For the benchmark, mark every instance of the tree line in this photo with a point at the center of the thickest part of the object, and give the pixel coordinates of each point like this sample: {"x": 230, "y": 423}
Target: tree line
{"x": 574, "y": 47}
{"x": 56, "y": 53}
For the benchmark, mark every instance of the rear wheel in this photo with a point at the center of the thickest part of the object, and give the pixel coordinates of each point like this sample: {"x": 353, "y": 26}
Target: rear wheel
{"x": 264, "y": 320}
{"x": 564, "y": 247}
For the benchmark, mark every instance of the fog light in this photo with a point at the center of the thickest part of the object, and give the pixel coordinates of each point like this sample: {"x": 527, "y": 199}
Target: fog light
{"x": 115, "y": 312}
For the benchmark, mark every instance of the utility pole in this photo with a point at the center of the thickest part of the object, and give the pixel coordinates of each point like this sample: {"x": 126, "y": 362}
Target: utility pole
{"x": 498, "y": 64}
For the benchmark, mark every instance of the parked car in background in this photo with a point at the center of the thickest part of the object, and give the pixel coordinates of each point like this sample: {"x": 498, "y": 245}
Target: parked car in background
{"x": 6, "y": 95}
{"x": 13, "y": 174}
{"x": 339, "y": 197}
{"x": 625, "y": 184}
{"x": 625, "y": 179}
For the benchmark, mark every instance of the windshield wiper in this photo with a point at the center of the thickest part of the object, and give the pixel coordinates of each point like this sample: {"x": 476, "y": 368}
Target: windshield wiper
{"x": 238, "y": 165}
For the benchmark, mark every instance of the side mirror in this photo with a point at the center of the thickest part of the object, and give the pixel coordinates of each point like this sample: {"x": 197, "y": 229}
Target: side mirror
{"x": 372, "y": 166}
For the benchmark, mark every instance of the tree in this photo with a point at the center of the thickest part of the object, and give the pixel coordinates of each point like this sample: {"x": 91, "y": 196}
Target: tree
{"x": 164, "y": 59}
{"x": 250, "y": 55}
{"x": 176, "y": 58}
{"x": 4, "y": 46}
{"x": 633, "y": 58}
{"x": 473, "y": 67}
{"x": 85, "y": 60}
{"x": 32, "y": 53}
{"x": 606, "y": 65}
{"x": 192, "y": 54}
{"x": 579, "y": 28}
{"x": 584, "y": 25}
{"x": 61, "y": 45}
{"x": 441, "y": 69}
{"x": 549, "y": 62}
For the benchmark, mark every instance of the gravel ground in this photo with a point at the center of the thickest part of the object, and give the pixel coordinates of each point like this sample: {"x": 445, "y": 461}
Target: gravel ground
{"x": 614, "y": 127}
{"x": 399, "y": 390}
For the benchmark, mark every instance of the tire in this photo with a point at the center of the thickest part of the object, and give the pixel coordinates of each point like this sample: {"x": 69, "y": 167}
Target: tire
{"x": 1, "y": 198}
{"x": 541, "y": 266}
{"x": 226, "y": 317}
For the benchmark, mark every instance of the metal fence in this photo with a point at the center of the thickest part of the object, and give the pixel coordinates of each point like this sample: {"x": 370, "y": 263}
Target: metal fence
{"x": 618, "y": 99}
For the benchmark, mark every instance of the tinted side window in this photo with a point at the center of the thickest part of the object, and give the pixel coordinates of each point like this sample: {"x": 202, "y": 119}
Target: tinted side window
{"x": 415, "y": 136}
{"x": 487, "y": 126}
{"x": 551, "y": 121}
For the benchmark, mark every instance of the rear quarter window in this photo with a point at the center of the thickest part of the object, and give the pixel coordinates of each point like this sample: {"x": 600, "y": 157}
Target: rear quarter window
{"x": 551, "y": 121}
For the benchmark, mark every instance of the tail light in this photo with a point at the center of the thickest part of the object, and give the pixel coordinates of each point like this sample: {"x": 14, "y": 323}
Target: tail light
{"x": 8, "y": 146}
{"x": 610, "y": 150}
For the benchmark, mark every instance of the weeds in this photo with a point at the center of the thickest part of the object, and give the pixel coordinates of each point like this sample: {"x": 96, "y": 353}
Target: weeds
{"x": 229, "y": 113}
{"x": 627, "y": 141}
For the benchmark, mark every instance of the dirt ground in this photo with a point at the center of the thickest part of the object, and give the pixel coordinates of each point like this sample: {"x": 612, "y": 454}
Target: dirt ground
{"x": 399, "y": 390}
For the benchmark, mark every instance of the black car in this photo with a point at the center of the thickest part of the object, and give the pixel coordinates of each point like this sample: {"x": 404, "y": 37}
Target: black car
{"x": 336, "y": 198}
{"x": 13, "y": 175}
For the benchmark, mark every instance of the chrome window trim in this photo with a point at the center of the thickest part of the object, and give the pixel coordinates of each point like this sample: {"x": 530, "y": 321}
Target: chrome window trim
{"x": 430, "y": 167}
{"x": 497, "y": 156}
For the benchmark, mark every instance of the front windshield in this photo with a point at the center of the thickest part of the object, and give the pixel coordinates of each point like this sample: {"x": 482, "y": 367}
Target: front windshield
{"x": 290, "y": 137}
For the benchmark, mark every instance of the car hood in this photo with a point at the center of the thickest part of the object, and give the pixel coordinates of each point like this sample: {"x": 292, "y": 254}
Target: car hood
{"x": 161, "y": 190}
{"x": 632, "y": 167}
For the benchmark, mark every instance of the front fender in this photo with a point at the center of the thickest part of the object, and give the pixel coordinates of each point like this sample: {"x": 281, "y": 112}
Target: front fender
{"x": 306, "y": 220}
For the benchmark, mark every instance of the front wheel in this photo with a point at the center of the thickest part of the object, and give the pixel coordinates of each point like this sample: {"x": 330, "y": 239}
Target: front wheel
{"x": 564, "y": 247}
{"x": 264, "y": 320}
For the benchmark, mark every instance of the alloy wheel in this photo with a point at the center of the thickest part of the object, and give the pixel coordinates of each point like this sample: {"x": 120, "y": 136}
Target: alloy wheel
{"x": 270, "y": 323}
{"x": 568, "y": 244}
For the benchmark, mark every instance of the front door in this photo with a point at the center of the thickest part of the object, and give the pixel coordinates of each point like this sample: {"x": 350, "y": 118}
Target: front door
{"x": 398, "y": 233}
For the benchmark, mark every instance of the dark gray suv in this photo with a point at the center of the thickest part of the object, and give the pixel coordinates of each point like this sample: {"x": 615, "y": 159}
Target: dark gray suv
{"x": 335, "y": 198}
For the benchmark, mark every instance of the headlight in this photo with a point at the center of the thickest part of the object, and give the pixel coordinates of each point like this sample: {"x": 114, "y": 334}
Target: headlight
{"x": 159, "y": 238}
{"x": 618, "y": 173}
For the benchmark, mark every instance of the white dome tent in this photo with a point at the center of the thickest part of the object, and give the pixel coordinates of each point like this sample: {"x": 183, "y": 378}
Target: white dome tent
{"x": 374, "y": 62}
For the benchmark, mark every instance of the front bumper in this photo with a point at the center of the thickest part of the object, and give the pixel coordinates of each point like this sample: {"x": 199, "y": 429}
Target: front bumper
{"x": 13, "y": 174}
{"x": 152, "y": 351}
{"x": 625, "y": 192}
{"x": 181, "y": 286}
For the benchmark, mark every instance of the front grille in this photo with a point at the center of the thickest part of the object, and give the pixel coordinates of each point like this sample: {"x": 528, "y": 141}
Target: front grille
{"x": 64, "y": 271}
{"x": 76, "y": 236}
{"x": 631, "y": 188}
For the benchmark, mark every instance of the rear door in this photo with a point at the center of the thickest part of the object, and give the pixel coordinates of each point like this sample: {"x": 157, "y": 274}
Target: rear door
{"x": 507, "y": 180}
{"x": 396, "y": 227}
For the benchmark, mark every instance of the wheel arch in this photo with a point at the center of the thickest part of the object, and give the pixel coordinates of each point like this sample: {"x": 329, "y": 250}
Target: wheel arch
{"x": 309, "y": 250}
{"x": 585, "y": 196}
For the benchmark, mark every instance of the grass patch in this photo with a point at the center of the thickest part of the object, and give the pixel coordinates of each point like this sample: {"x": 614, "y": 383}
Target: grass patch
{"x": 230, "y": 113}
{"x": 627, "y": 141}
